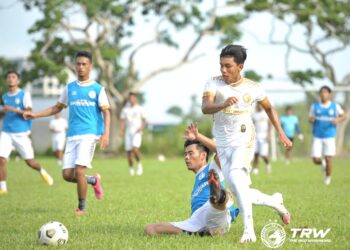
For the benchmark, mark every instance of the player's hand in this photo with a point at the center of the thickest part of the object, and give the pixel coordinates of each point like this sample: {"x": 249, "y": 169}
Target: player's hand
{"x": 28, "y": 115}
{"x": 230, "y": 101}
{"x": 191, "y": 133}
{"x": 104, "y": 141}
{"x": 139, "y": 130}
{"x": 285, "y": 141}
{"x": 335, "y": 120}
{"x": 311, "y": 119}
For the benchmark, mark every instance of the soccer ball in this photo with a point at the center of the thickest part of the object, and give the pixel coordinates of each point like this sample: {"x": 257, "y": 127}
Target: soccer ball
{"x": 53, "y": 233}
{"x": 161, "y": 158}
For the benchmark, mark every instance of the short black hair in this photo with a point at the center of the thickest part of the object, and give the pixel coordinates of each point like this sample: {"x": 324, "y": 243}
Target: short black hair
{"x": 84, "y": 53}
{"x": 238, "y": 52}
{"x": 289, "y": 108}
{"x": 200, "y": 146}
{"x": 326, "y": 88}
{"x": 11, "y": 71}
{"x": 132, "y": 93}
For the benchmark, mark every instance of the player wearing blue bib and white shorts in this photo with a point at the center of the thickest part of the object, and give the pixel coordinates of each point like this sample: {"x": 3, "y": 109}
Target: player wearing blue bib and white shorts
{"x": 324, "y": 116}
{"x": 230, "y": 99}
{"x": 290, "y": 125}
{"x": 16, "y": 131}
{"x": 89, "y": 122}
{"x": 212, "y": 209}
{"x": 58, "y": 127}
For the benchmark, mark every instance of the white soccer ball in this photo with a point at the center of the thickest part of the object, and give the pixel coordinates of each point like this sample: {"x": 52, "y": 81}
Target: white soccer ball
{"x": 53, "y": 233}
{"x": 161, "y": 158}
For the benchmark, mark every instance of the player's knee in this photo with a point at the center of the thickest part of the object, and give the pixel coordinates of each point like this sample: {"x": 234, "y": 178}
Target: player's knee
{"x": 150, "y": 230}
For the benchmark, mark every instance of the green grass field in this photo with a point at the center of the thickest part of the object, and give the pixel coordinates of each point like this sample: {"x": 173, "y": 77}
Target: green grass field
{"x": 163, "y": 194}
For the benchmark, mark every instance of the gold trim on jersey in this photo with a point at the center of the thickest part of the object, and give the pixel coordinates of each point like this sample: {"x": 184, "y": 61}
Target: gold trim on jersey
{"x": 234, "y": 84}
{"x": 231, "y": 111}
{"x": 208, "y": 94}
{"x": 106, "y": 107}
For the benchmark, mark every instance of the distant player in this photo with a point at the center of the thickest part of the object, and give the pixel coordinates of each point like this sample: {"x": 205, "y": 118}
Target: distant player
{"x": 230, "y": 98}
{"x": 212, "y": 206}
{"x": 290, "y": 126}
{"x": 132, "y": 123}
{"x": 324, "y": 116}
{"x": 89, "y": 122}
{"x": 58, "y": 127}
{"x": 16, "y": 131}
{"x": 263, "y": 134}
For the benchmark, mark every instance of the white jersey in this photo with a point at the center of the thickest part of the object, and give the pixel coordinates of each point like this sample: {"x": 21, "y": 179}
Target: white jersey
{"x": 233, "y": 126}
{"x": 261, "y": 122}
{"x": 59, "y": 126}
{"x": 133, "y": 116}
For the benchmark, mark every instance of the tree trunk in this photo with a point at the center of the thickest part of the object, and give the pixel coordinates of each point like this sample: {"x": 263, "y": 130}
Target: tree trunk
{"x": 341, "y": 129}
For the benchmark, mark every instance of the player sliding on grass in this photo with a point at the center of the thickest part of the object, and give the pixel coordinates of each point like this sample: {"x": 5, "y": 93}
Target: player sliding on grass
{"x": 89, "y": 122}
{"x": 15, "y": 130}
{"x": 212, "y": 206}
{"x": 230, "y": 98}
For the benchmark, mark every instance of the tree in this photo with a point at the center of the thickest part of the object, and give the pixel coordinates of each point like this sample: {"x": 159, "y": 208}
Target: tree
{"x": 326, "y": 27}
{"x": 107, "y": 28}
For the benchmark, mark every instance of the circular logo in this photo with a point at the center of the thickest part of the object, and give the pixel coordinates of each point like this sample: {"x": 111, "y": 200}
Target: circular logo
{"x": 92, "y": 94}
{"x": 331, "y": 112}
{"x": 17, "y": 100}
{"x": 247, "y": 97}
{"x": 273, "y": 235}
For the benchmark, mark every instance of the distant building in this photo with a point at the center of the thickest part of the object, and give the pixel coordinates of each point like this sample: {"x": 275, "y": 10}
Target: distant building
{"x": 45, "y": 87}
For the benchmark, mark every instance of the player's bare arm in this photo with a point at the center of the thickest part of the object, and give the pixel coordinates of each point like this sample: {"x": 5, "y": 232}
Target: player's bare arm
{"x": 47, "y": 112}
{"x": 272, "y": 114}
{"x": 339, "y": 119}
{"x": 192, "y": 133}
{"x": 210, "y": 107}
{"x": 122, "y": 127}
{"x": 104, "y": 139}
{"x": 143, "y": 125}
{"x": 13, "y": 109}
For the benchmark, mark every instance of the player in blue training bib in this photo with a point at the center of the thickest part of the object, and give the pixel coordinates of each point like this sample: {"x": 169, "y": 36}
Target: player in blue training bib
{"x": 290, "y": 126}
{"x": 212, "y": 206}
{"x": 16, "y": 130}
{"x": 324, "y": 116}
{"x": 89, "y": 122}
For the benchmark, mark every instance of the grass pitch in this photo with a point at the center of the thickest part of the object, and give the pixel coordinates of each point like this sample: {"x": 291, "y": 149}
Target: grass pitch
{"x": 163, "y": 194}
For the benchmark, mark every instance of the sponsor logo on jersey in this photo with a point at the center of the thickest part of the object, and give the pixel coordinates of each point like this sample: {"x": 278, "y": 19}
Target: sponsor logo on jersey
{"x": 82, "y": 102}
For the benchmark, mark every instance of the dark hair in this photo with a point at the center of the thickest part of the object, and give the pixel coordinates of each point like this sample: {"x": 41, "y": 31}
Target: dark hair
{"x": 289, "y": 108}
{"x": 238, "y": 52}
{"x": 12, "y": 72}
{"x": 84, "y": 54}
{"x": 200, "y": 146}
{"x": 132, "y": 93}
{"x": 326, "y": 88}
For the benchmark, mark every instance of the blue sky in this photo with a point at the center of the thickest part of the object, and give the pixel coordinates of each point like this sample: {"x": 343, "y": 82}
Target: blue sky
{"x": 175, "y": 88}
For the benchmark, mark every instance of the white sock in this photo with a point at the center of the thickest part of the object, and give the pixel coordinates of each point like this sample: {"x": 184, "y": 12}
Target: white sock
{"x": 239, "y": 182}
{"x": 3, "y": 185}
{"x": 139, "y": 164}
{"x": 259, "y": 198}
{"x": 43, "y": 171}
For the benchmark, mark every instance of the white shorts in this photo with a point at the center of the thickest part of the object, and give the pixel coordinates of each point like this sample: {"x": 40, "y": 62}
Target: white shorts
{"x": 262, "y": 147}
{"x": 20, "y": 141}
{"x": 58, "y": 142}
{"x": 235, "y": 157}
{"x": 323, "y": 147}
{"x": 132, "y": 140}
{"x": 79, "y": 152}
{"x": 206, "y": 219}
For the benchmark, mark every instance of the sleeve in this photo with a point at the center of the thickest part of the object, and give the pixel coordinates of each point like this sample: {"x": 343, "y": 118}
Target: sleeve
{"x": 27, "y": 100}
{"x": 65, "y": 124}
{"x": 260, "y": 93}
{"x": 210, "y": 88}
{"x": 103, "y": 100}
{"x": 64, "y": 97}
{"x": 51, "y": 124}
{"x": 312, "y": 110}
{"x": 339, "y": 109}
{"x": 143, "y": 114}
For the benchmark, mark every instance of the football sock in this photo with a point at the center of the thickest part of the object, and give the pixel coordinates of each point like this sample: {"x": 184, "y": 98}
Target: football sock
{"x": 90, "y": 179}
{"x": 81, "y": 204}
{"x": 43, "y": 171}
{"x": 259, "y": 198}
{"x": 3, "y": 185}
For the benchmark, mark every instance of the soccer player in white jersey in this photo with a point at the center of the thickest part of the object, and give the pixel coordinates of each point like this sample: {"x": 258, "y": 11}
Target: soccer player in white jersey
{"x": 263, "y": 133}
{"x": 324, "y": 116}
{"x": 89, "y": 123}
{"x": 15, "y": 130}
{"x": 230, "y": 98}
{"x": 132, "y": 123}
{"x": 58, "y": 127}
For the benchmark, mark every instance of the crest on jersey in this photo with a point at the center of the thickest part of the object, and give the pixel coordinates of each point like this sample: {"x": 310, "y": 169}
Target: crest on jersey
{"x": 247, "y": 97}
{"x": 331, "y": 112}
{"x": 92, "y": 94}
{"x": 17, "y": 101}
{"x": 201, "y": 176}
{"x": 74, "y": 92}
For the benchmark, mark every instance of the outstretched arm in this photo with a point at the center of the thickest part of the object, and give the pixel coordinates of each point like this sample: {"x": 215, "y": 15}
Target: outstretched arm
{"x": 210, "y": 107}
{"x": 192, "y": 133}
{"x": 272, "y": 114}
{"x": 47, "y": 112}
{"x": 104, "y": 139}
